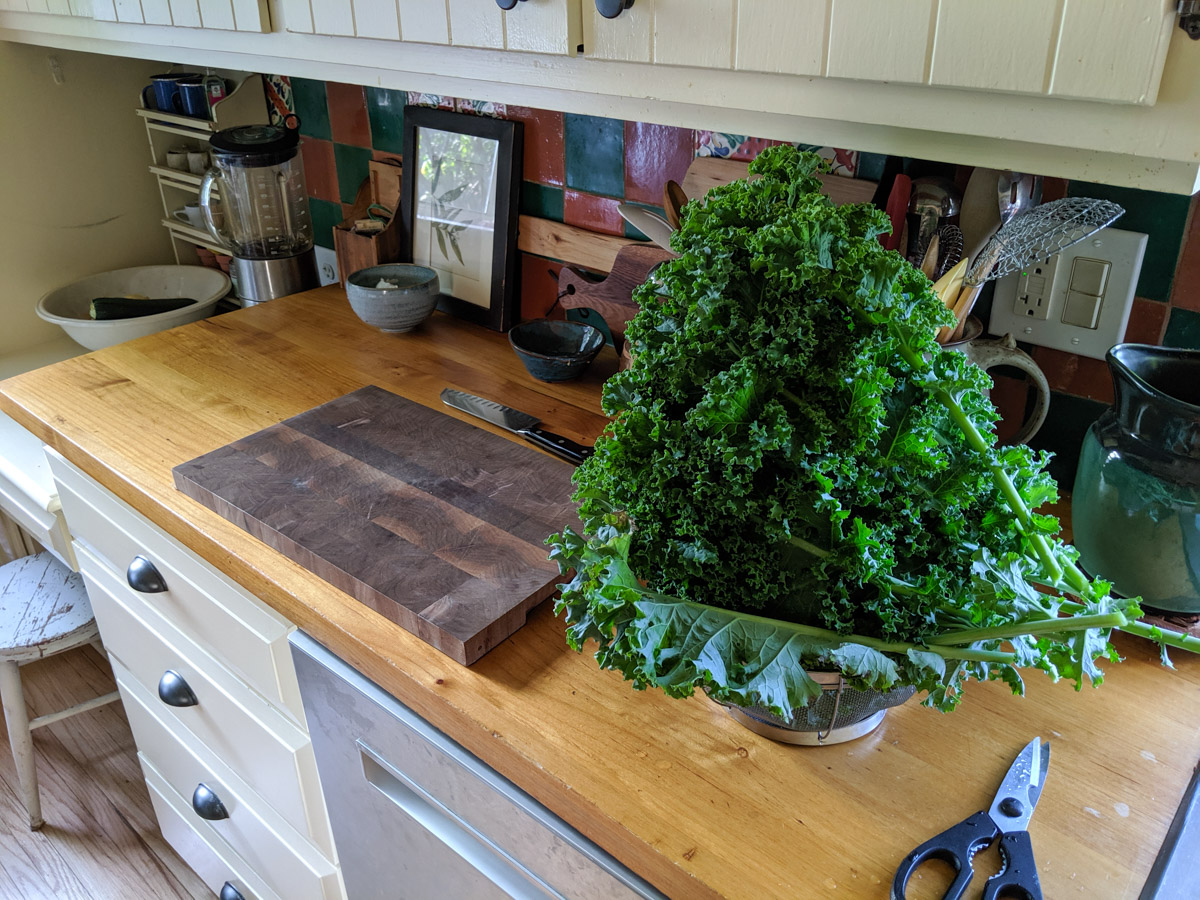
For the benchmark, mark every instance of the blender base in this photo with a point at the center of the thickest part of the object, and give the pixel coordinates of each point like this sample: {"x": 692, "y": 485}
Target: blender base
{"x": 259, "y": 280}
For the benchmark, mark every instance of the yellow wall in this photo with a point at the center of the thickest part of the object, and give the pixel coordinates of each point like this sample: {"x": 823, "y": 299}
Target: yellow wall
{"x": 75, "y": 194}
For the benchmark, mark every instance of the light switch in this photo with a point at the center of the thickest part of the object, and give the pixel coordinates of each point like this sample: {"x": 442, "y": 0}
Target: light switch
{"x": 1089, "y": 276}
{"x": 1081, "y": 310}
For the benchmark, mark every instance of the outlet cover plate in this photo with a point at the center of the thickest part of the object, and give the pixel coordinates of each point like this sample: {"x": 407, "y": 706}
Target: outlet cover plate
{"x": 1124, "y": 250}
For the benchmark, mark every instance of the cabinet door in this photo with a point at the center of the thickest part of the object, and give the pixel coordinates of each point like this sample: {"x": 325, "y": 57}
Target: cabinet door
{"x": 1111, "y": 50}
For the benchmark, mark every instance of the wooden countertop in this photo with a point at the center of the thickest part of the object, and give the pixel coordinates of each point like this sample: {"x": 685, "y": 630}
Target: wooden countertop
{"x": 685, "y": 796}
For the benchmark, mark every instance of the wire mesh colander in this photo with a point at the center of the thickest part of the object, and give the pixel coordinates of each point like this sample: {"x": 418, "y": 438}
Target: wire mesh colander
{"x": 1036, "y": 235}
{"x": 841, "y": 713}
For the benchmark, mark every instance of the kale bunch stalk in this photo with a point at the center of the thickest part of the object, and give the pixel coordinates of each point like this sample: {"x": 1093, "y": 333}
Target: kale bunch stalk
{"x": 799, "y": 478}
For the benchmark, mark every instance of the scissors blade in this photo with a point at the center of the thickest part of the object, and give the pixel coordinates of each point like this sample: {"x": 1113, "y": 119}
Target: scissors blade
{"x": 1021, "y": 788}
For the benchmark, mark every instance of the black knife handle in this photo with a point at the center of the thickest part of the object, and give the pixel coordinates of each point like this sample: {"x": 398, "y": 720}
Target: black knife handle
{"x": 556, "y": 444}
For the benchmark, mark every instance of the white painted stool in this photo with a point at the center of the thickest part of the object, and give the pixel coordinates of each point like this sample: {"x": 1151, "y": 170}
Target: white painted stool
{"x": 44, "y": 610}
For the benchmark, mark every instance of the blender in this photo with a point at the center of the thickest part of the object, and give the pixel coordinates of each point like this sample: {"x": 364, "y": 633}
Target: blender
{"x": 266, "y": 226}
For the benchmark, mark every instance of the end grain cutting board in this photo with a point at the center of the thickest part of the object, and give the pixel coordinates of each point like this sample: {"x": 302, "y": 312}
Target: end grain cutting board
{"x": 434, "y": 523}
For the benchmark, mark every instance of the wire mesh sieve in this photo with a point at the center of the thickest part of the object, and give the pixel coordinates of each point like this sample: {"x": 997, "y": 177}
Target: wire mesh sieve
{"x": 1034, "y": 236}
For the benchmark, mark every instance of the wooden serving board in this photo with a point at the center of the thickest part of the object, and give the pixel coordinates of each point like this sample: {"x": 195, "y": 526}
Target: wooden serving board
{"x": 435, "y": 524}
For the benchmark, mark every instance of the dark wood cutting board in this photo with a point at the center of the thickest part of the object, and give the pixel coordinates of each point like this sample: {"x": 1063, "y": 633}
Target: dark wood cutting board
{"x": 432, "y": 522}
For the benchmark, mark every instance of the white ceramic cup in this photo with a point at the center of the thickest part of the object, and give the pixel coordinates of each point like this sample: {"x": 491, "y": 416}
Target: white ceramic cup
{"x": 190, "y": 215}
{"x": 197, "y": 161}
{"x": 177, "y": 158}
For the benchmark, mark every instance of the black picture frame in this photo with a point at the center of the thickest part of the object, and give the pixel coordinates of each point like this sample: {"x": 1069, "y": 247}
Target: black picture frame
{"x": 434, "y": 232}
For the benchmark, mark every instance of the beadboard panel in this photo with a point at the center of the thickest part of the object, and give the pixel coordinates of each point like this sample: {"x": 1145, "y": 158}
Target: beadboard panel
{"x": 970, "y": 49}
{"x": 786, "y": 36}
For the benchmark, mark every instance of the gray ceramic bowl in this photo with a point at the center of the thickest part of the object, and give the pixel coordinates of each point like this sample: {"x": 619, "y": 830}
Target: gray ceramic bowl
{"x": 393, "y": 310}
{"x": 553, "y": 350}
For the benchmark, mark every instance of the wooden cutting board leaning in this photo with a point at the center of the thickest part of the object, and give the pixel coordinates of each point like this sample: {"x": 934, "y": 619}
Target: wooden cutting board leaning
{"x": 435, "y": 524}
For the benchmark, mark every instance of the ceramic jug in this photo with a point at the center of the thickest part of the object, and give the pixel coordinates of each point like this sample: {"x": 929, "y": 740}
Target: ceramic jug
{"x": 1135, "y": 508}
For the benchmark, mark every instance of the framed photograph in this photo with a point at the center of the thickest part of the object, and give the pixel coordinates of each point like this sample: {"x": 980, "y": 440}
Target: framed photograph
{"x": 459, "y": 204}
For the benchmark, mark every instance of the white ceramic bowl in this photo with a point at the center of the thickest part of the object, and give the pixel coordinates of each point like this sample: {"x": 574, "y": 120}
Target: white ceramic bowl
{"x": 67, "y": 306}
{"x": 393, "y": 310}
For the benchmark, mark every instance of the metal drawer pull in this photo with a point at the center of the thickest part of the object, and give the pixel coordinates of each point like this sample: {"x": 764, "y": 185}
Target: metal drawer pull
{"x": 610, "y": 9}
{"x": 144, "y": 577}
{"x": 229, "y": 892}
{"x": 173, "y": 690}
{"x": 473, "y": 847}
{"x": 207, "y": 804}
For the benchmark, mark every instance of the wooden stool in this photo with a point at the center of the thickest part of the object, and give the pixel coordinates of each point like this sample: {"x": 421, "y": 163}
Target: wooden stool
{"x": 44, "y": 610}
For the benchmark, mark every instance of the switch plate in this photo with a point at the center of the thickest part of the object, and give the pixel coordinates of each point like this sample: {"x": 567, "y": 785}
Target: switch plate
{"x": 1044, "y": 317}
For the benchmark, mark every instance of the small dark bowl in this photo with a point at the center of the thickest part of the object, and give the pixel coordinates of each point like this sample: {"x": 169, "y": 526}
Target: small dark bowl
{"x": 555, "y": 351}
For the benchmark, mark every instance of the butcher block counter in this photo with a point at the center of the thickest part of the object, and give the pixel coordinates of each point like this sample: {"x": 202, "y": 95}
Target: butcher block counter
{"x": 678, "y": 791}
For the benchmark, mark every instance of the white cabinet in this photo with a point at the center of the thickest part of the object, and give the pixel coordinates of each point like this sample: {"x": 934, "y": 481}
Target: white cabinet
{"x": 533, "y": 26}
{"x": 1111, "y": 50}
{"x": 211, "y": 694}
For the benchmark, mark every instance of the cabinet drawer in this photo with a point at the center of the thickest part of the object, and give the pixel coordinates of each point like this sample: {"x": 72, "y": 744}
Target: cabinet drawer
{"x": 212, "y": 860}
{"x": 252, "y": 835}
{"x": 264, "y": 747}
{"x": 211, "y": 609}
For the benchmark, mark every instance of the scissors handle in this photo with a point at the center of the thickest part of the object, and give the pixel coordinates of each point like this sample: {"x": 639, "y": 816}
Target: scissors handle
{"x": 1019, "y": 878}
{"x": 956, "y": 846}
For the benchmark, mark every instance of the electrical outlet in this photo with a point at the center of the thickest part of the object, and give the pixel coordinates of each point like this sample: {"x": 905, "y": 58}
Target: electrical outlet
{"x": 326, "y": 265}
{"x": 1078, "y": 300}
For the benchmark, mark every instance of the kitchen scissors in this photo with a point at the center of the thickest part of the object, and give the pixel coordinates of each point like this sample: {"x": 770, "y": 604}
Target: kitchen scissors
{"x": 1007, "y": 818}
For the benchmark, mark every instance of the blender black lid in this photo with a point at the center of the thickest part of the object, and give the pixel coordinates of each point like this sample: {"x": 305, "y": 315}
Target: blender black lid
{"x": 258, "y": 145}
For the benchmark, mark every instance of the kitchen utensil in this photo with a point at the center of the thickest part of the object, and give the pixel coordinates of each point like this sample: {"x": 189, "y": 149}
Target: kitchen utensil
{"x": 950, "y": 249}
{"x": 67, "y": 306}
{"x": 193, "y": 97}
{"x": 395, "y": 298}
{"x": 674, "y": 200}
{"x": 651, "y": 224}
{"x": 433, "y": 523}
{"x": 1140, "y": 467}
{"x": 1017, "y": 192}
{"x": 935, "y": 202}
{"x": 979, "y": 218}
{"x": 612, "y": 297}
{"x": 897, "y": 207}
{"x": 553, "y": 350}
{"x": 267, "y": 226}
{"x": 518, "y": 423}
{"x": 1007, "y": 819}
{"x": 1031, "y": 237}
{"x": 189, "y": 214}
{"x": 929, "y": 257}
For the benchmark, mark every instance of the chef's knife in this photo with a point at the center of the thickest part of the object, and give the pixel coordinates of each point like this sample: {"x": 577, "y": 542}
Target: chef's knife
{"x": 517, "y": 422}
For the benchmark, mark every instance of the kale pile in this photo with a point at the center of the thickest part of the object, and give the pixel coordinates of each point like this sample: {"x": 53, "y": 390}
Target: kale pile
{"x": 799, "y": 477}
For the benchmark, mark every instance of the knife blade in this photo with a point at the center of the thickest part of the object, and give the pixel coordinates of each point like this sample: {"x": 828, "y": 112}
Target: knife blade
{"x": 518, "y": 423}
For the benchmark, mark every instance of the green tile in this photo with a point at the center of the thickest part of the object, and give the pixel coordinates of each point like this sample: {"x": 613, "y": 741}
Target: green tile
{"x": 385, "y": 108}
{"x": 541, "y": 201}
{"x": 1161, "y": 216}
{"x": 1062, "y": 434}
{"x": 1183, "y": 330}
{"x": 595, "y": 154}
{"x": 325, "y": 216}
{"x": 352, "y": 169}
{"x": 870, "y": 166}
{"x": 308, "y": 97}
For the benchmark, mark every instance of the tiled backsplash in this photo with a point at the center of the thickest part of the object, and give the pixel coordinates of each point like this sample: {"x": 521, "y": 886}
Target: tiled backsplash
{"x": 578, "y": 168}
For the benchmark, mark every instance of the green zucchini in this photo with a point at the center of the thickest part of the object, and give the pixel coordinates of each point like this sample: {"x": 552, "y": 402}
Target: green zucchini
{"x": 130, "y": 308}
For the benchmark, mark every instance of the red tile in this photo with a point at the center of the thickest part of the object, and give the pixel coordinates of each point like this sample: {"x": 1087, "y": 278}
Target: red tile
{"x": 320, "y": 170}
{"x": 1053, "y": 189}
{"x": 539, "y": 288}
{"x": 750, "y": 148}
{"x": 592, "y": 212}
{"x": 1185, "y": 290}
{"x": 543, "y": 139}
{"x": 348, "y": 114}
{"x": 1080, "y": 376}
{"x": 655, "y": 154}
{"x": 1010, "y": 396}
{"x": 1147, "y": 320}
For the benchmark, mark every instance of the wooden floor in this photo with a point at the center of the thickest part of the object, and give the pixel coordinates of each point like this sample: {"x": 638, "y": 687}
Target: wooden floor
{"x": 100, "y": 840}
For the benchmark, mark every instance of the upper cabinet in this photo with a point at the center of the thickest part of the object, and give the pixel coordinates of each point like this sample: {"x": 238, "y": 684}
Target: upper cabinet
{"x": 1110, "y": 50}
{"x": 535, "y": 26}
{"x": 225, "y": 15}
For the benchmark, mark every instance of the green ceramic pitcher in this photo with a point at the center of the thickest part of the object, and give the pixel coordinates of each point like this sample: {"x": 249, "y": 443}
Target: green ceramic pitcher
{"x": 1135, "y": 508}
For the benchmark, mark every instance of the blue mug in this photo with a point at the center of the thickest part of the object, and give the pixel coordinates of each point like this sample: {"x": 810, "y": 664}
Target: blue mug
{"x": 193, "y": 97}
{"x": 166, "y": 92}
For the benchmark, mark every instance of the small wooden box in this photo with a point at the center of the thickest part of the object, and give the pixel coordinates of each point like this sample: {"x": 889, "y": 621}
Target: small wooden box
{"x": 360, "y": 251}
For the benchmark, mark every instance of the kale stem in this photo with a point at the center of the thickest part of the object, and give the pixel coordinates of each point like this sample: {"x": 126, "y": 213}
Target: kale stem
{"x": 1043, "y": 626}
{"x": 812, "y": 549}
{"x": 1147, "y": 631}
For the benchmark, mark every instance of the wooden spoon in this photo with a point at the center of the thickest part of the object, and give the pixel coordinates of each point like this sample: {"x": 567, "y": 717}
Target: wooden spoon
{"x": 674, "y": 199}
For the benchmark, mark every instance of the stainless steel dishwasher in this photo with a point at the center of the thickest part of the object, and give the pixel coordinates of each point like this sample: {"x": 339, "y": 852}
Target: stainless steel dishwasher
{"x": 415, "y": 816}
